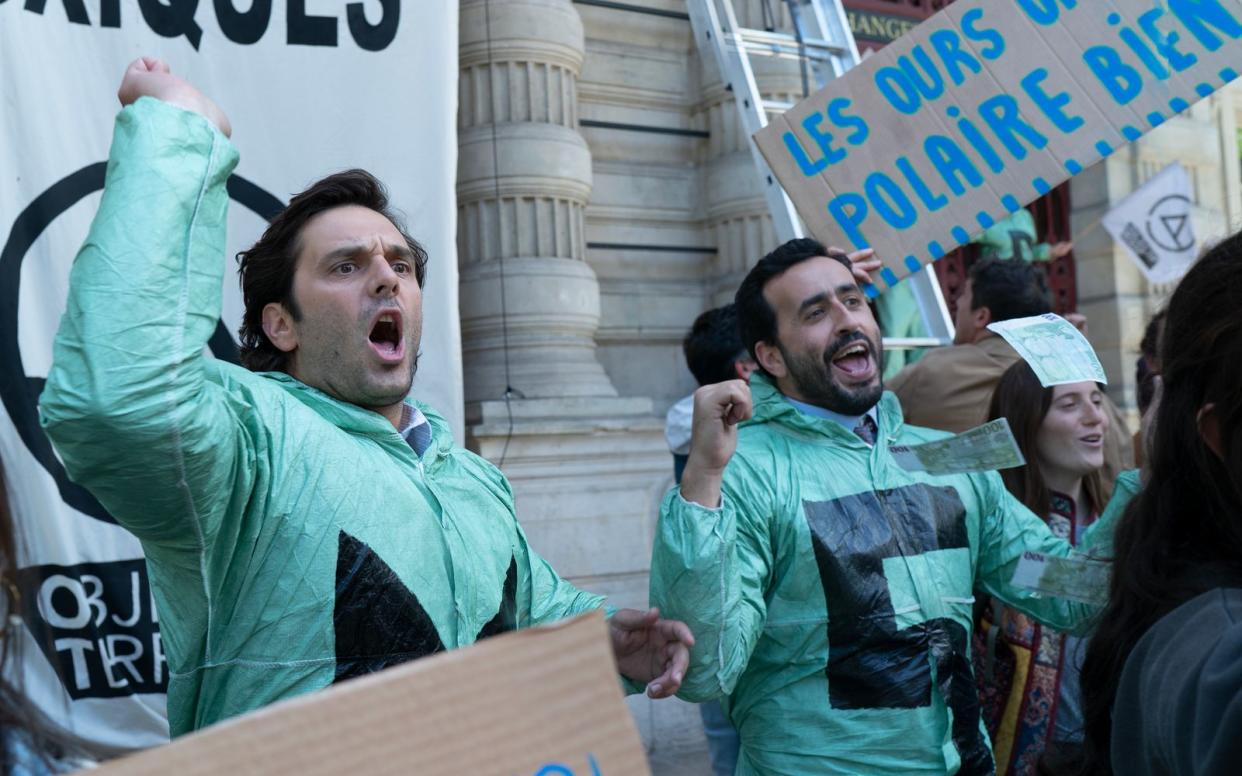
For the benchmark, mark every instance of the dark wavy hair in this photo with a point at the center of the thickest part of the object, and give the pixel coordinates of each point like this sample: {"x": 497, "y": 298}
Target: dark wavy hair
{"x": 756, "y": 318}
{"x": 266, "y": 270}
{"x": 1182, "y": 534}
{"x": 1148, "y": 366}
{"x": 1022, "y": 400}
{"x": 1009, "y": 288}
{"x": 713, "y": 345}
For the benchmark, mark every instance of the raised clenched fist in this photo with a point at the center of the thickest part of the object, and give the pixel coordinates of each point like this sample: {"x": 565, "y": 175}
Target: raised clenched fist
{"x": 717, "y": 411}
{"x": 150, "y": 77}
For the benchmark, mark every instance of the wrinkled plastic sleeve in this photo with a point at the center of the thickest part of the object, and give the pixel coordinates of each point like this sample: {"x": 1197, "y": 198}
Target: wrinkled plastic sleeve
{"x": 127, "y": 403}
{"x": 709, "y": 569}
{"x": 1008, "y": 530}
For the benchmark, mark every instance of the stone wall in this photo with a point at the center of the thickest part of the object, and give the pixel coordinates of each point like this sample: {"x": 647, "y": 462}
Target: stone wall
{"x": 586, "y": 466}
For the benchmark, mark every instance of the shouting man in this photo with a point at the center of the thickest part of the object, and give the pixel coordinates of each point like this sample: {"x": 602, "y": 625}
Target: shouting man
{"x": 304, "y": 522}
{"x": 829, "y": 589}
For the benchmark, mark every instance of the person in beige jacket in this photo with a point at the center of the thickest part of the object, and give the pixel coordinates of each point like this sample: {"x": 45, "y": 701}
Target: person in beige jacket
{"x": 949, "y": 388}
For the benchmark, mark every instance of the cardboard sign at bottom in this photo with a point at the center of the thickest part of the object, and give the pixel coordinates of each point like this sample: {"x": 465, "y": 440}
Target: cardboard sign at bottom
{"x": 541, "y": 701}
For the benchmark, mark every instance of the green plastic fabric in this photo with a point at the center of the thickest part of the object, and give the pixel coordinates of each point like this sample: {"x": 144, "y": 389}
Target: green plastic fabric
{"x": 831, "y": 595}
{"x": 897, "y": 312}
{"x": 293, "y": 540}
{"x": 1125, "y": 489}
{"x": 1013, "y": 237}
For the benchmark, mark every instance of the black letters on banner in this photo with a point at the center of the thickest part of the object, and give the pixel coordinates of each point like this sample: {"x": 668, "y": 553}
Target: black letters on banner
{"x": 173, "y": 20}
{"x": 74, "y": 9}
{"x": 176, "y": 18}
{"x": 374, "y": 37}
{"x": 97, "y": 624}
{"x": 109, "y": 13}
{"x": 309, "y": 30}
{"x": 244, "y": 27}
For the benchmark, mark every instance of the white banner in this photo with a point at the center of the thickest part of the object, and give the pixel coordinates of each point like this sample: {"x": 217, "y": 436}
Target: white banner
{"x": 1154, "y": 225}
{"x": 311, "y": 87}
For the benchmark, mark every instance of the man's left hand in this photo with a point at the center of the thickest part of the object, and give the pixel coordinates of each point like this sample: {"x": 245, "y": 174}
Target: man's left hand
{"x": 651, "y": 650}
{"x": 863, "y": 263}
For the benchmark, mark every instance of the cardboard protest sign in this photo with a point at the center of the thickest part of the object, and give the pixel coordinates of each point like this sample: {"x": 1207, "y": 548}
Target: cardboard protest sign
{"x": 539, "y": 701}
{"x": 985, "y": 107}
{"x": 1153, "y": 224}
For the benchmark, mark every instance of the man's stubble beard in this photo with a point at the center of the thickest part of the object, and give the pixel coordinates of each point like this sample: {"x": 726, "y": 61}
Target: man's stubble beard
{"x": 813, "y": 379}
{"x": 337, "y": 384}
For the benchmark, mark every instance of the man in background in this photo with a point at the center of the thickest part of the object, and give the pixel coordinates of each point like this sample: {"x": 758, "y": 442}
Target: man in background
{"x": 715, "y": 354}
{"x": 949, "y": 388}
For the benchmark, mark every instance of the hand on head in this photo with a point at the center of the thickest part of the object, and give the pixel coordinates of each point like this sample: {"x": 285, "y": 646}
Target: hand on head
{"x": 862, "y": 264}
{"x": 150, "y": 77}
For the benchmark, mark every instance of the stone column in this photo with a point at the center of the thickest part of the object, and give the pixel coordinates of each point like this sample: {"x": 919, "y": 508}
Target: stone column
{"x": 528, "y": 299}
{"x": 587, "y": 468}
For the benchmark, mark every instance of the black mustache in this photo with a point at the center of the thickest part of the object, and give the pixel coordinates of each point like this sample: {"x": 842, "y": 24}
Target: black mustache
{"x": 845, "y": 341}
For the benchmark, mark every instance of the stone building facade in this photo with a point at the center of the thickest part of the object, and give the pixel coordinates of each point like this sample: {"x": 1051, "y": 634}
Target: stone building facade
{"x": 606, "y": 196}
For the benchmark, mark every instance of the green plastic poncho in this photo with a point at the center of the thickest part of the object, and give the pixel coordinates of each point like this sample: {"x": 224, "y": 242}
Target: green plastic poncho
{"x": 1125, "y": 488}
{"x": 831, "y": 595}
{"x": 293, "y": 540}
{"x": 1013, "y": 237}
{"x": 897, "y": 312}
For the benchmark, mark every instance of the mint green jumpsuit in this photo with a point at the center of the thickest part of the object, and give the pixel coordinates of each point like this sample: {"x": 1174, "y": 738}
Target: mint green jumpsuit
{"x": 293, "y": 540}
{"x": 831, "y": 593}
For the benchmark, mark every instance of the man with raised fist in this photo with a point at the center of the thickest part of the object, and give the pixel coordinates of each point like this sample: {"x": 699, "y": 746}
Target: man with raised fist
{"x": 304, "y": 521}
{"x": 830, "y": 590}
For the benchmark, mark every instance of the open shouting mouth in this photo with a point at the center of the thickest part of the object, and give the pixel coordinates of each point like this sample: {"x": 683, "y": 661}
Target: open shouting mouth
{"x": 855, "y": 362}
{"x": 387, "y": 336}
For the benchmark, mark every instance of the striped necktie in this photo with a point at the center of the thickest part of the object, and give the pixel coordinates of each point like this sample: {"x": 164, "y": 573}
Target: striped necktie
{"x": 866, "y": 430}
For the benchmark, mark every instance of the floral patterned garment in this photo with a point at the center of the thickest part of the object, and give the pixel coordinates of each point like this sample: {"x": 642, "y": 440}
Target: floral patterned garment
{"x": 1019, "y": 669}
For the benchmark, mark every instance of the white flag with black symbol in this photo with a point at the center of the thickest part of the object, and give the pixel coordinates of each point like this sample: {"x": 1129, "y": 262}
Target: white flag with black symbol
{"x": 1154, "y": 225}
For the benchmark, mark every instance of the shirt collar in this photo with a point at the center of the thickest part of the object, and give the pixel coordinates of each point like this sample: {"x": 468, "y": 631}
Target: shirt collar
{"x": 849, "y": 422}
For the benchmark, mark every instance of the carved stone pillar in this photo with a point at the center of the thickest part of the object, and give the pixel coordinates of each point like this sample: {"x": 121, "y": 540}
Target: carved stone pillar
{"x": 587, "y": 468}
{"x": 529, "y": 302}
